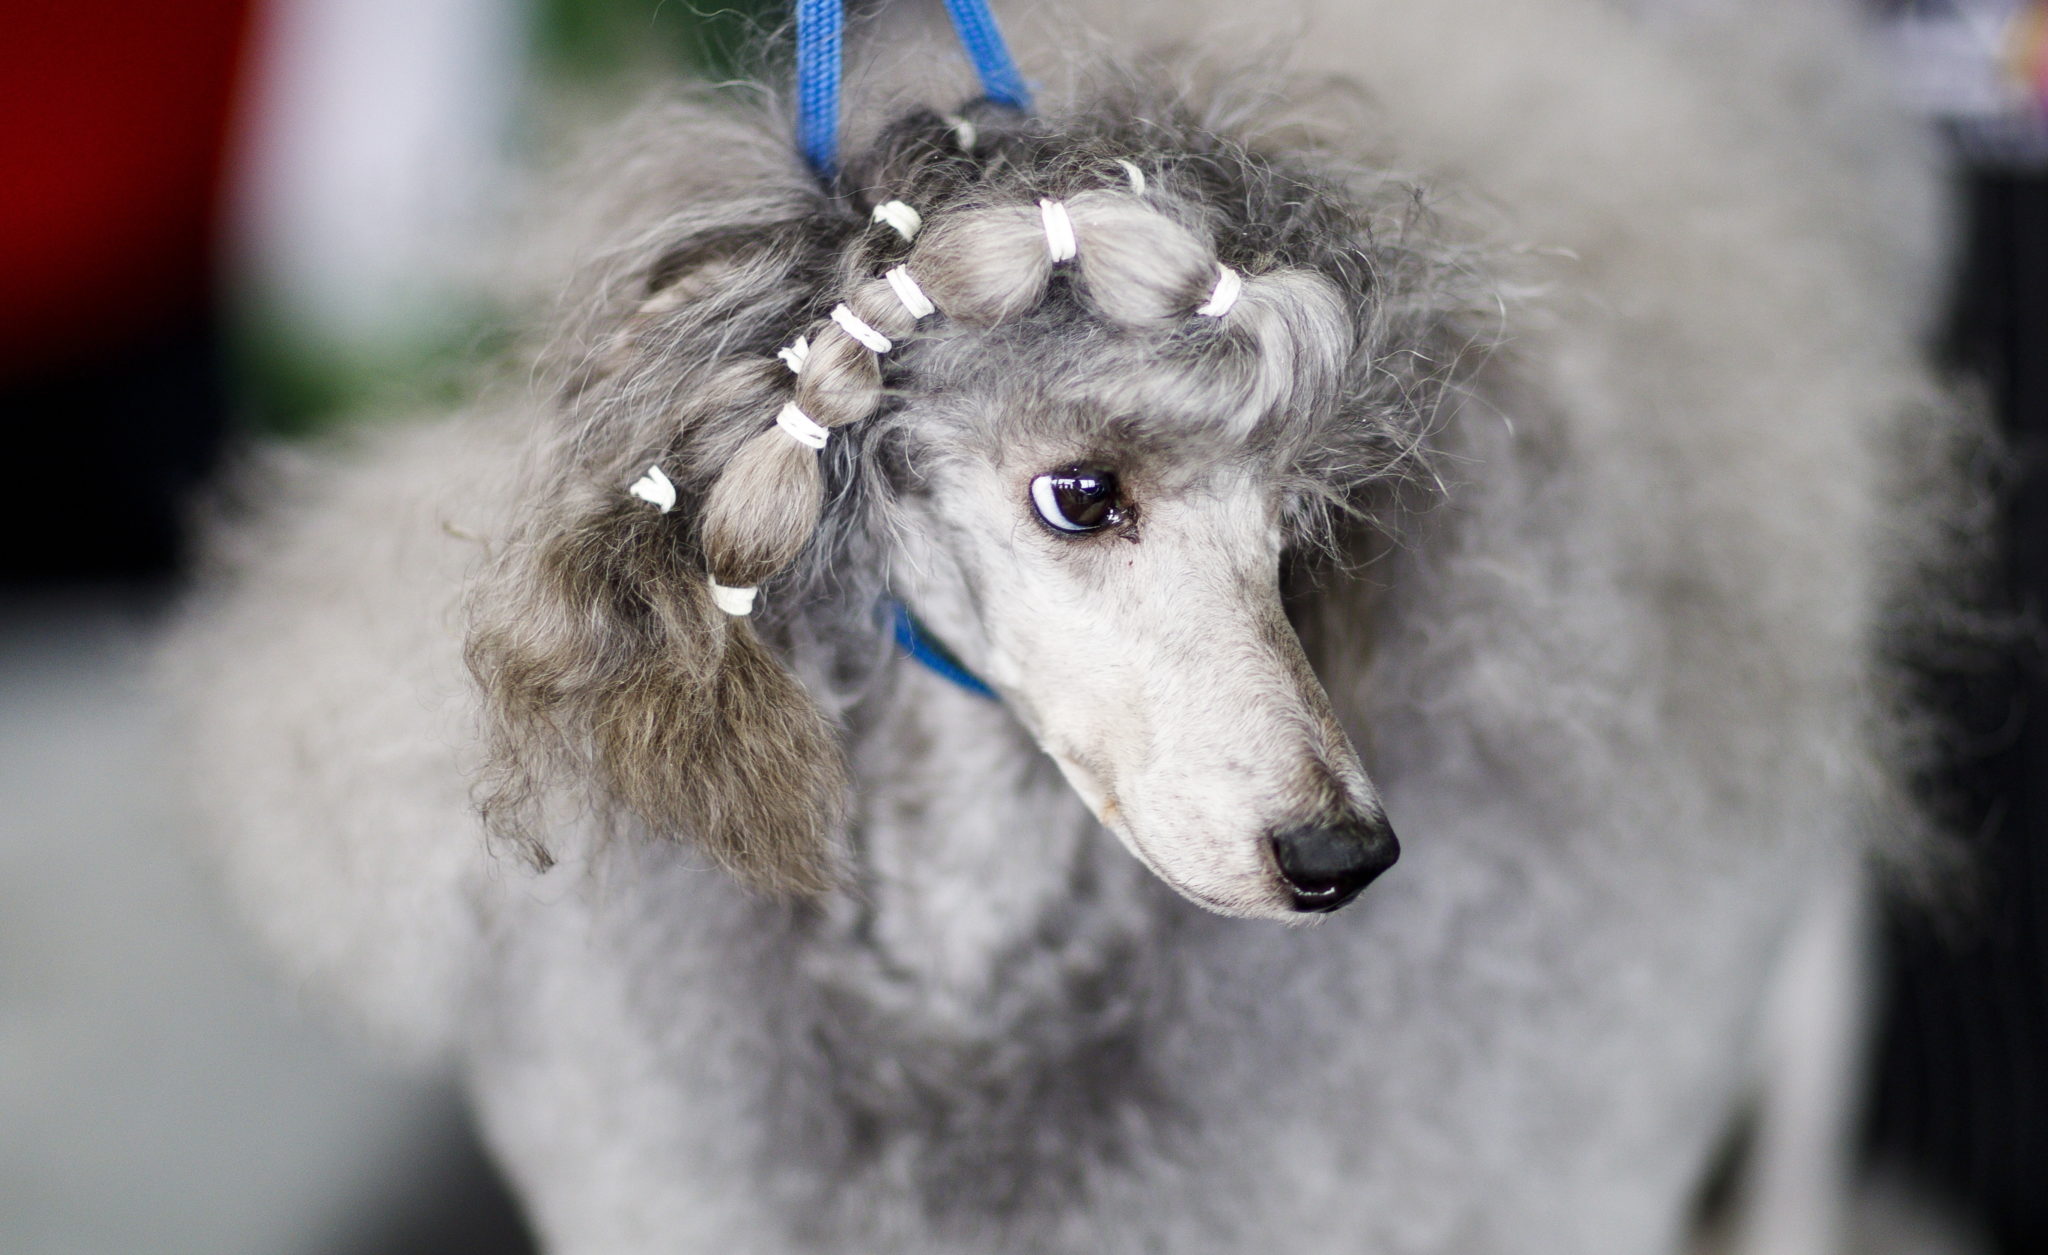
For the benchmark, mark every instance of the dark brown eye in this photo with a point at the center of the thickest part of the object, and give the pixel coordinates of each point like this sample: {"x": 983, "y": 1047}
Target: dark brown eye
{"x": 1077, "y": 498}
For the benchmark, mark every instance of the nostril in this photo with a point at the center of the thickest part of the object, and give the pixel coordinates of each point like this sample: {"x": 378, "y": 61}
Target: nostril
{"x": 1325, "y": 866}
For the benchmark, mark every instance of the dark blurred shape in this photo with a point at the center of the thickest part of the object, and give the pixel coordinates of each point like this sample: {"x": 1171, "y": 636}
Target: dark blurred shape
{"x": 106, "y": 450}
{"x": 1962, "y": 1072}
{"x": 460, "y": 1207}
{"x": 112, "y": 137}
{"x": 113, "y": 134}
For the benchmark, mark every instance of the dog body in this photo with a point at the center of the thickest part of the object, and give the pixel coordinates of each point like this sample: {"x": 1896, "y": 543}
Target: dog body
{"x": 1600, "y": 619}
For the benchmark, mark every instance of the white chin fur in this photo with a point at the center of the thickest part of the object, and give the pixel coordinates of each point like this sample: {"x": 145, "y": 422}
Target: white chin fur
{"x": 1253, "y": 897}
{"x": 1257, "y": 897}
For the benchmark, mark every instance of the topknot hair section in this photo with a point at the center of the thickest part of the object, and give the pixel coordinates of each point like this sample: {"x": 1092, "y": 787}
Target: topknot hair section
{"x": 960, "y": 250}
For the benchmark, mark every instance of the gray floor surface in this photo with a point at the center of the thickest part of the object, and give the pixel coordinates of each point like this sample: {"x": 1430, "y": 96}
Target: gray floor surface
{"x": 159, "y": 1092}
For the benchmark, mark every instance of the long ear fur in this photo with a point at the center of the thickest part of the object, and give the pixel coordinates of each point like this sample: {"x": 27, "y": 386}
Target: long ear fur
{"x": 603, "y": 660}
{"x": 611, "y": 682}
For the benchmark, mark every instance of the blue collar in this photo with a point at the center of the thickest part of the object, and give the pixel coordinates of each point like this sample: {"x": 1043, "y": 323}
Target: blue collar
{"x": 922, "y": 647}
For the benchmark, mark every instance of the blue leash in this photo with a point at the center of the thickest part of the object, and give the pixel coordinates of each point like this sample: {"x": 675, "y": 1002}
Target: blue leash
{"x": 1000, "y": 81}
{"x": 912, "y": 639}
{"x": 819, "y": 29}
{"x": 819, "y": 24}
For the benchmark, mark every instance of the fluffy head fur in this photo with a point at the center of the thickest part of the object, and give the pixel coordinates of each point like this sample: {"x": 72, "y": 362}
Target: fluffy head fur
{"x": 601, "y": 654}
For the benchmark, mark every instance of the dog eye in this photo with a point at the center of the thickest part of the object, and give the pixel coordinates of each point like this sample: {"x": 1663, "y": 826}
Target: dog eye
{"x": 1077, "y": 499}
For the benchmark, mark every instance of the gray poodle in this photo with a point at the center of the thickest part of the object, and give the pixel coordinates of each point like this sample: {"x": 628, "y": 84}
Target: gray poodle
{"x": 832, "y": 744}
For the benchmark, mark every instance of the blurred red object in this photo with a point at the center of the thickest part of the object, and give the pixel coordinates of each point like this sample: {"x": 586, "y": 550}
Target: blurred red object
{"x": 114, "y": 120}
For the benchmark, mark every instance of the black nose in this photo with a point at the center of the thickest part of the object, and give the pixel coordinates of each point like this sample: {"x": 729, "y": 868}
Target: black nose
{"x": 1326, "y": 866}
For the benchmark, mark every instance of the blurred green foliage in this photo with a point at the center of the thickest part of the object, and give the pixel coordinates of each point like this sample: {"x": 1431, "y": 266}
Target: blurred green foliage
{"x": 588, "y": 39}
{"x": 293, "y": 387}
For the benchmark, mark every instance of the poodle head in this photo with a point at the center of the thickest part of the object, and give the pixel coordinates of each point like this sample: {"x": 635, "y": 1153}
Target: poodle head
{"x": 1074, "y": 389}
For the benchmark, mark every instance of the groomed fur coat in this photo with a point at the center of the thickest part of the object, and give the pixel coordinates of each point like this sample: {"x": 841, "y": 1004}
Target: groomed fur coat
{"x": 1643, "y": 452}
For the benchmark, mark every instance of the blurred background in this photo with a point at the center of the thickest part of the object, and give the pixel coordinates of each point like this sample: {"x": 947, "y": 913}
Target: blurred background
{"x": 232, "y": 219}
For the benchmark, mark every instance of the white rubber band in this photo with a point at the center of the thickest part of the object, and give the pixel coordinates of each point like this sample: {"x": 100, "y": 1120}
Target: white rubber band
{"x": 853, "y": 326}
{"x": 795, "y": 355}
{"x": 1224, "y": 295}
{"x": 1059, "y": 230}
{"x": 655, "y": 489}
{"x": 1136, "y": 176}
{"x": 737, "y": 602}
{"x": 801, "y": 427}
{"x": 906, "y": 220}
{"x": 964, "y": 133}
{"x": 915, "y": 302}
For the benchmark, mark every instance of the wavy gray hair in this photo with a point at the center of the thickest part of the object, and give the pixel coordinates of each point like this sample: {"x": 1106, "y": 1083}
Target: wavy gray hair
{"x": 1217, "y": 284}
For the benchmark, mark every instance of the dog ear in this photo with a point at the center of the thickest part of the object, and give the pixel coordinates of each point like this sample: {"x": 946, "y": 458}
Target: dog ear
{"x": 609, "y": 675}
{"x": 604, "y": 663}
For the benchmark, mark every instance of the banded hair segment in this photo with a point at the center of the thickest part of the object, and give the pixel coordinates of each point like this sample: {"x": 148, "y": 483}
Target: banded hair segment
{"x": 1134, "y": 266}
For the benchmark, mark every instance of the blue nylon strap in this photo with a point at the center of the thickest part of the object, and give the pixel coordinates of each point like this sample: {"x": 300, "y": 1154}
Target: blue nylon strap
{"x": 819, "y": 35}
{"x": 991, "y": 56}
{"x": 818, "y": 28}
{"x": 912, "y": 639}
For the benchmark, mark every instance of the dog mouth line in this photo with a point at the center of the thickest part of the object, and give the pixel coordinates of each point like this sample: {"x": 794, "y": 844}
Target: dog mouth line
{"x": 1151, "y": 864}
{"x": 1109, "y": 813}
{"x": 1107, "y": 807}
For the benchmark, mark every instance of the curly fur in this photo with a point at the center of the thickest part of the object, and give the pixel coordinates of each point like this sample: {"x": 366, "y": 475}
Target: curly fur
{"x": 597, "y": 647}
{"x": 1562, "y": 453}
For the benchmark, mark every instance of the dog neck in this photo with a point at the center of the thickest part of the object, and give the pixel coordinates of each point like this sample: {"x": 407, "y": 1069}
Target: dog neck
{"x": 978, "y": 871}
{"x": 998, "y": 965}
